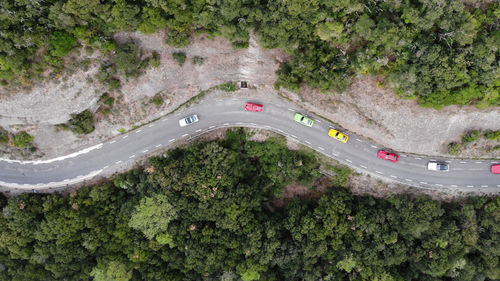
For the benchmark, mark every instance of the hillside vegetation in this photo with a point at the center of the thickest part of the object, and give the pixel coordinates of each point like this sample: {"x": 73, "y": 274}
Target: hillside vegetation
{"x": 206, "y": 213}
{"x": 441, "y": 52}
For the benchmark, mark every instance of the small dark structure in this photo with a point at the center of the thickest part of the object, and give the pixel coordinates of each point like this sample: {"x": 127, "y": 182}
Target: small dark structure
{"x": 243, "y": 85}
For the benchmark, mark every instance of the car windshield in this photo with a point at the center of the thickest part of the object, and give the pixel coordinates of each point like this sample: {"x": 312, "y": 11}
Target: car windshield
{"x": 189, "y": 120}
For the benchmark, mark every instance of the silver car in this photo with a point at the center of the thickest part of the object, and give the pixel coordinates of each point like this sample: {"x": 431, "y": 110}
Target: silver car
{"x": 188, "y": 120}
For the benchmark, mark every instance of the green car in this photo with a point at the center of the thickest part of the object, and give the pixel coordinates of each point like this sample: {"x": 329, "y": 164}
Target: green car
{"x": 303, "y": 119}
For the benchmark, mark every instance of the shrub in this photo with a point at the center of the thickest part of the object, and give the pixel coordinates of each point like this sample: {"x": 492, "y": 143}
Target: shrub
{"x": 107, "y": 100}
{"x": 4, "y": 136}
{"x": 471, "y": 136}
{"x": 61, "y": 43}
{"x": 157, "y": 100}
{"x": 198, "y": 60}
{"x": 492, "y": 135}
{"x": 22, "y": 139}
{"x": 454, "y": 148}
{"x": 342, "y": 176}
{"x": 155, "y": 60}
{"x": 180, "y": 57}
{"x": 128, "y": 60}
{"x": 82, "y": 123}
{"x": 178, "y": 39}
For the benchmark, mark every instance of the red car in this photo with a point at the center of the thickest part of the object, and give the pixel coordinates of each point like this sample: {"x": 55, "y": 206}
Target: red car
{"x": 255, "y": 107}
{"x": 386, "y": 155}
{"x": 495, "y": 169}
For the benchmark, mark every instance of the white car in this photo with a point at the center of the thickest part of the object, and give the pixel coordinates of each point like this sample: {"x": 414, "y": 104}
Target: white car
{"x": 188, "y": 120}
{"x": 438, "y": 166}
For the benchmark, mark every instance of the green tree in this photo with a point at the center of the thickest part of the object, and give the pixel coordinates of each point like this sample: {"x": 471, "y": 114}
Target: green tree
{"x": 61, "y": 43}
{"x": 82, "y": 123}
{"x": 152, "y": 216}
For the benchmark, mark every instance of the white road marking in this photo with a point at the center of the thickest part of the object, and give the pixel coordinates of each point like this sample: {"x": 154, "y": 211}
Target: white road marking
{"x": 294, "y": 136}
{"x": 185, "y": 135}
{"x": 319, "y": 121}
{"x": 239, "y": 123}
{"x": 408, "y": 180}
{"x": 423, "y": 182}
{"x": 498, "y": 185}
{"x": 447, "y": 161}
{"x": 211, "y": 127}
{"x": 138, "y": 131}
{"x": 118, "y": 162}
{"x": 291, "y": 109}
{"x": 392, "y": 176}
{"x": 373, "y": 146}
{"x": 484, "y": 186}
{"x": 164, "y": 120}
{"x": 225, "y": 124}
{"x": 494, "y": 162}
{"x": 66, "y": 180}
{"x": 335, "y": 154}
{"x": 454, "y": 185}
{"x": 438, "y": 184}
{"x": 281, "y": 131}
{"x": 113, "y": 141}
{"x": 158, "y": 145}
{"x": 132, "y": 156}
{"x": 418, "y": 158}
{"x": 124, "y": 137}
{"x": 199, "y": 130}
{"x": 145, "y": 150}
{"x": 308, "y": 142}
{"x": 463, "y": 162}
{"x": 359, "y": 140}
{"x": 432, "y": 159}
{"x": 404, "y": 155}
{"x": 470, "y": 186}
{"x": 364, "y": 167}
{"x": 378, "y": 172}
{"x": 348, "y": 160}
{"x": 171, "y": 140}
{"x": 105, "y": 167}
{"x": 253, "y": 124}
{"x": 478, "y": 162}
{"x": 152, "y": 125}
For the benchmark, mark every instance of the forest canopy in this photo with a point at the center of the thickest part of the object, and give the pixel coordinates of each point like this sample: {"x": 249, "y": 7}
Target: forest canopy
{"x": 207, "y": 212}
{"x": 441, "y": 52}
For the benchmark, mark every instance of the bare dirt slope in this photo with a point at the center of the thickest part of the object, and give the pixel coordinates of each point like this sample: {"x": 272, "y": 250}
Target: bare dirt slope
{"x": 365, "y": 108}
{"x": 52, "y": 102}
{"x": 377, "y": 113}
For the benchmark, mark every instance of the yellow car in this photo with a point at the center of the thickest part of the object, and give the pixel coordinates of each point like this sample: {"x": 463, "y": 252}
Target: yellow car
{"x": 338, "y": 135}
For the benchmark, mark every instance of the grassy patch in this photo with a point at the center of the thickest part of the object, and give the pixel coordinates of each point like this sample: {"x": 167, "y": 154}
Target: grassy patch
{"x": 23, "y": 139}
{"x": 157, "y": 100}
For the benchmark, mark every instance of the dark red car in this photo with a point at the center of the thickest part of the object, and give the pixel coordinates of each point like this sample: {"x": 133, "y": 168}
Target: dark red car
{"x": 255, "y": 107}
{"x": 386, "y": 155}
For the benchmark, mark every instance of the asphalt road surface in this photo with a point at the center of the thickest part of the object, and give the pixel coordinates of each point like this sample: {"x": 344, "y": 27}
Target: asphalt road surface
{"x": 359, "y": 153}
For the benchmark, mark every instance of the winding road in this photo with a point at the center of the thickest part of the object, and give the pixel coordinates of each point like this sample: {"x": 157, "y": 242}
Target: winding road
{"x": 359, "y": 153}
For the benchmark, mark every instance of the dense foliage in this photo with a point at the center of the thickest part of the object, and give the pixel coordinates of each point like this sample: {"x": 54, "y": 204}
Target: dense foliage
{"x": 442, "y": 52}
{"x": 206, "y": 213}
{"x": 81, "y": 123}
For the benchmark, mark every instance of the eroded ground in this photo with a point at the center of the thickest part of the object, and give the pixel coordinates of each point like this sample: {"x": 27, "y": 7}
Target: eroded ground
{"x": 365, "y": 108}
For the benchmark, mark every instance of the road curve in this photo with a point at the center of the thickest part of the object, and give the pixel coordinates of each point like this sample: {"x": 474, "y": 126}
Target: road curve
{"x": 359, "y": 153}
